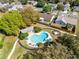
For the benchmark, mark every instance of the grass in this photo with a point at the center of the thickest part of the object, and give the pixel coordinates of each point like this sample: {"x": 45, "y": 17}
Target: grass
{"x": 1, "y": 40}
{"x": 1, "y": 44}
{"x": 1, "y": 37}
{"x": 19, "y": 51}
{"x": 7, "y": 46}
{"x": 77, "y": 28}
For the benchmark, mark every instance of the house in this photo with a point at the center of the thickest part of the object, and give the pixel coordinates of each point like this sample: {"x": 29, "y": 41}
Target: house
{"x": 45, "y": 17}
{"x": 65, "y": 19}
{"x": 76, "y": 8}
{"x": 32, "y": 2}
{"x": 17, "y": 6}
{"x": 4, "y": 5}
{"x": 39, "y": 9}
{"x": 67, "y": 7}
{"x": 53, "y": 6}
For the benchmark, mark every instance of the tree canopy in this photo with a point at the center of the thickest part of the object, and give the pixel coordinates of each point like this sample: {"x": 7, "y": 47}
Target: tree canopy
{"x": 71, "y": 42}
{"x": 53, "y": 51}
{"x": 11, "y": 22}
{"x": 47, "y": 8}
{"x": 60, "y": 6}
{"x": 30, "y": 15}
{"x": 40, "y": 3}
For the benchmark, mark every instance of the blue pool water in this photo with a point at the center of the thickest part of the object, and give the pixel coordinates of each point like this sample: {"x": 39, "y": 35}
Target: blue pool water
{"x": 39, "y": 38}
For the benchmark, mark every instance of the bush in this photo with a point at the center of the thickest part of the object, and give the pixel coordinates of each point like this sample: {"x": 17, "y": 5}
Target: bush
{"x": 23, "y": 35}
{"x": 37, "y": 29}
{"x": 40, "y": 45}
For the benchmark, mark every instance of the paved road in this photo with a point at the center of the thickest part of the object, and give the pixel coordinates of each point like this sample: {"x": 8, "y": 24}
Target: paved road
{"x": 13, "y": 49}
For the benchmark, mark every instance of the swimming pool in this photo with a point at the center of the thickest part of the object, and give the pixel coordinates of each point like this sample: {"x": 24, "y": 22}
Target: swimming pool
{"x": 39, "y": 38}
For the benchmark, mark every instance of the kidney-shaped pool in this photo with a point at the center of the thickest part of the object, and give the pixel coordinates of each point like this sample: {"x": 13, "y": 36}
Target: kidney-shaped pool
{"x": 41, "y": 38}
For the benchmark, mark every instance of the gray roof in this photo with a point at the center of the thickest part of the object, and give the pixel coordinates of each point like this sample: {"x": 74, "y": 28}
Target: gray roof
{"x": 70, "y": 20}
{"x": 76, "y": 8}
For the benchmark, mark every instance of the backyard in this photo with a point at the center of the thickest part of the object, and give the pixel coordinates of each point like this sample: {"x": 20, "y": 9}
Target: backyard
{"x": 7, "y": 46}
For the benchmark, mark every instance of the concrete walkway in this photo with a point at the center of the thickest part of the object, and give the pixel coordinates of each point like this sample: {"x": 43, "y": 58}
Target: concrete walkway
{"x": 13, "y": 49}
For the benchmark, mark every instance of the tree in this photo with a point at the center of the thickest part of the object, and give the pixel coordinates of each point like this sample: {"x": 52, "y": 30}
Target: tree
{"x": 77, "y": 2}
{"x": 11, "y": 22}
{"x": 57, "y": 1}
{"x": 30, "y": 15}
{"x": 47, "y": 8}
{"x": 40, "y": 3}
{"x": 60, "y": 6}
{"x": 54, "y": 51}
{"x": 71, "y": 42}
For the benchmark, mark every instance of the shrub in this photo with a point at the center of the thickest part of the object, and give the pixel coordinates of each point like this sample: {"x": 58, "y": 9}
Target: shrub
{"x": 40, "y": 45}
{"x": 37, "y": 29}
{"x": 23, "y": 35}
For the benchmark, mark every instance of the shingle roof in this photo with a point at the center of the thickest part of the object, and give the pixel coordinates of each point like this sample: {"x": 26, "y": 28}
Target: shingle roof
{"x": 70, "y": 20}
{"x": 46, "y": 16}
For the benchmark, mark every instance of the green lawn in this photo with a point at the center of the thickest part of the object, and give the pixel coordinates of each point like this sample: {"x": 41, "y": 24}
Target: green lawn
{"x": 7, "y": 46}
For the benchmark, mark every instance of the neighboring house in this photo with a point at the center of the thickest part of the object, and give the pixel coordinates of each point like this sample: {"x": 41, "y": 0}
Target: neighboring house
{"x": 44, "y": 17}
{"x": 13, "y": 6}
{"x": 39, "y": 9}
{"x": 67, "y": 7}
{"x": 63, "y": 20}
{"x": 53, "y": 6}
{"x": 32, "y": 2}
{"x": 17, "y": 6}
{"x": 76, "y": 8}
{"x": 4, "y": 5}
